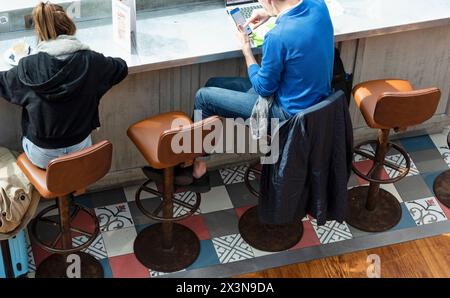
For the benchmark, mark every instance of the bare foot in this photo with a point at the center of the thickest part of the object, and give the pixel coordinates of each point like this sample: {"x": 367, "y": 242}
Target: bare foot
{"x": 199, "y": 169}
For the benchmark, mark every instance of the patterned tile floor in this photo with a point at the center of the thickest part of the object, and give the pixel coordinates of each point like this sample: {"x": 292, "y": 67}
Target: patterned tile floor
{"x": 216, "y": 223}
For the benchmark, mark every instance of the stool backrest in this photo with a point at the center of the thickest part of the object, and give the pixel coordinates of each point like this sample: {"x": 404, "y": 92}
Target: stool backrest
{"x": 405, "y": 109}
{"x": 77, "y": 171}
{"x": 194, "y": 134}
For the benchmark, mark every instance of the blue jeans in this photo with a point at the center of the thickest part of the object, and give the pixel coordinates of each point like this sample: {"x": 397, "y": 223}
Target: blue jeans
{"x": 231, "y": 98}
{"x": 41, "y": 157}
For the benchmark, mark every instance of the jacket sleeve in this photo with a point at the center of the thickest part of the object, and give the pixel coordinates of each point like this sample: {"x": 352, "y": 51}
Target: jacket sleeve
{"x": 117, "y": 69}
{"x": 112, "y": 70}
{"x": 10, "y": 87}
{"x": 266, "y": 79}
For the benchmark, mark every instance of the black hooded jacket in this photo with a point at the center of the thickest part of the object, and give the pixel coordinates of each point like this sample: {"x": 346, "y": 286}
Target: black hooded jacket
{"x": 313, "y": 168}
{"x": 60, "y": 98}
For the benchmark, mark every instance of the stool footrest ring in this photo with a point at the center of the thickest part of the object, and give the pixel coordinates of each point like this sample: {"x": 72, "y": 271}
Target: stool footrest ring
{"x": 370, "y": 155}
{"x": 252, "y": 172}
{"x": 53, "y": 247}
{"x": 154, "y": 215}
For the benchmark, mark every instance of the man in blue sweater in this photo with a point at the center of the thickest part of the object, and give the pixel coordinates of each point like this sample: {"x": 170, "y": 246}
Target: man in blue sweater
{"x": 297, "y": 65}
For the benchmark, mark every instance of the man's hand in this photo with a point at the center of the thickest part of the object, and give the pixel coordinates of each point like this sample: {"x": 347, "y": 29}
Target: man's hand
{"x": 246, "y": 47}
{"x": 245, "y": 41}
{"x": 259, "y": 17}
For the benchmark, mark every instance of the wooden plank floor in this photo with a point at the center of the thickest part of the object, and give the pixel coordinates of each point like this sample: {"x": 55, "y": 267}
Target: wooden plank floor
{"x": 428, "y": 257}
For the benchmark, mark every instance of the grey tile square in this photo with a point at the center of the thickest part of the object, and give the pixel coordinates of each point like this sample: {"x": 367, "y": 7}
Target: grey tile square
{"x": 130, "y": 192}
{"x": 358, "y": 233}
{"x": 215, "y": 179}
{"x": 106, "y": 198}
{"x": 119, "y": 242}
{"x": 138, "y": 217}
{"x": 215, "y": 200}
{"x": 413, "y": 188}
{"x": 429, "y": 161}
{"x": 240, "y": 196}
{"x": 222, "y": 223}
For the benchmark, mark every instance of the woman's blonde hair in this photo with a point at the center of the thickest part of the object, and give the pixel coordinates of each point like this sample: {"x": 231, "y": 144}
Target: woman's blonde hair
{"x": 50, "y": 21}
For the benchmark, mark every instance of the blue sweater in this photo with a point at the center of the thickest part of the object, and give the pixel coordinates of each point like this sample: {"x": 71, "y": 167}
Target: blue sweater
{"x": 298, "y": 58}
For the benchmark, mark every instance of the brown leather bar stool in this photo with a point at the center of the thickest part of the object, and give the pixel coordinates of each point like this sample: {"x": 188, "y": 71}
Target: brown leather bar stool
{"x": 441, "y": 185}
{"x": 168, "y": 246}
{"x": 385, "y": 105}
{"x": 65, "y": 176}
{"x": 265, "y": 237}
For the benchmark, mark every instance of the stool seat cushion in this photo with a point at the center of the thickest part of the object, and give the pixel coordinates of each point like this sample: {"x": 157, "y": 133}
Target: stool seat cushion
{"x": 367, "y": 94}
{"x": 146, "y": 134}
{"x": 37, "y": 176}
{"x": 69, "y": 173}
{"x": 394, "y": 104}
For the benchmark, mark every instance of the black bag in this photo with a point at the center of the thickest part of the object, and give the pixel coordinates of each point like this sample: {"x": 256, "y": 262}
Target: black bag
{"x": 341, "y": 79}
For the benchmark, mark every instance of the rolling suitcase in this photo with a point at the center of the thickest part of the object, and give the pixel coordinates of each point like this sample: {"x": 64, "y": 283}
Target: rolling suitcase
{"x": 14, "y": 257}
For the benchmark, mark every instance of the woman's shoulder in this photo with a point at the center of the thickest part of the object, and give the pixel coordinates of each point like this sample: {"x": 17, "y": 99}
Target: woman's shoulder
{"x": 90, "y": 53}
{"x": 97, "y": 56}
{"x": 93, "y": 56}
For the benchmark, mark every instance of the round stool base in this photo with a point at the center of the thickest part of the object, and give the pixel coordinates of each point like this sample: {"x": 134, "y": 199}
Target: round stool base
{"x": 386, "y": 215}
{"x": 148, "y": 248}
{"x": 441, "y": 188}
{"x": 269, "y": 238}
{"x": 56, "y": 265}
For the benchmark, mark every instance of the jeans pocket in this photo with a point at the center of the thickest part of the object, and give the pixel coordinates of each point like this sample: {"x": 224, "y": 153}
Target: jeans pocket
{"x": 47, "y": 154}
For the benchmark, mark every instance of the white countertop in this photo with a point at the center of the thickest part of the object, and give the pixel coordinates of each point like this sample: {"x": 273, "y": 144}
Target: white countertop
{"x": 184, "y": 36}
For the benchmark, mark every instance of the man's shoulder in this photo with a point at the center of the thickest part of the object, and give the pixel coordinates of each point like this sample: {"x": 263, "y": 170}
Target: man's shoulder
{"x": 274, "y": 33}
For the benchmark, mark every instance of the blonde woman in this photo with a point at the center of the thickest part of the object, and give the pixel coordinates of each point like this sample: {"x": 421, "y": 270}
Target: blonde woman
{"x": 59, "y": 87}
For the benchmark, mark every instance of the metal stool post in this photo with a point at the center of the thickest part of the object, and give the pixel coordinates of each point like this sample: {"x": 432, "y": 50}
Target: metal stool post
{"x": 167, "y": 226}
{"x": 56, "y": 265}
{"x": 63, "y": 178}
{"x": 64, "y": 218}
{"x": 385, "y": 104}
{"x": 372, "y": 208}
{"x": 380, "y": 155}
{"x": 166, "y": 246}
